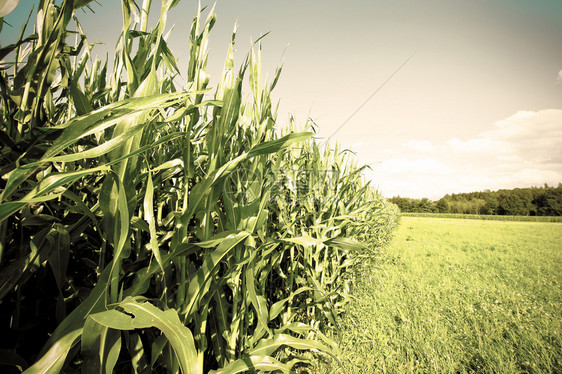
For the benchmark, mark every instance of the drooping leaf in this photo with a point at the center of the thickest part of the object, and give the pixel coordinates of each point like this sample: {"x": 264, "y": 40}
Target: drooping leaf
{"x": 199, "y": 282}
{"x": 266, "y": 347}
{"x": 145, "y": 315}
{"x": 254, "y": 364}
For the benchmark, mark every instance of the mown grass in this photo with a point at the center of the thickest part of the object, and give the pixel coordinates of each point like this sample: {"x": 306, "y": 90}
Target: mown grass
{"x": 455, "y": 296}
{"x": 488, "y": 217}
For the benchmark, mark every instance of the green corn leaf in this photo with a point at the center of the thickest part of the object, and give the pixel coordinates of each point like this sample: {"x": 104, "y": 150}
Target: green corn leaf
{"x": 53, "y": 360}
{"x": 297, "y": 327}
{"x": 68, "y": 332}
{"x": 59, "y": 239}
{"x": 149, "y": 218}
{"x": 55, "y": 180}
{"x": 276, "y": 78}
{"x": 43, "y": 190}
{"x": 108, "y": 116}
{"x": 145, "y": 315}
{"x": 255, "y": 75}
{"x": 266, "y": 347}
{"x": 258, "y": 301}
{"x": 345, "y": 243}
{"x": 100, "y": 347}
{"x": 89, "y": 124}
{"x": 118, "y": 219}
{"x": 81, "y": 102}
{"x": 4, "y": 51}
{"x": 217, "y": 239}
{"x": 138, "y": 358}
{"x": 102, "y": 149}
{"x": 82, "y": 208}
{"x": 203, "y": 188}
{"x": 80, "y": 3}
{"x": 159, "y": 347}
{"x": 279, "y": 306}
{"x": 219, "y": 322}
{"x": 7, "y": 209}
{"x": 199, "y": 283}
{"x": 254, "y": 364}
{"x": 18, "y": 271}
{"x": 274, "y": 146}
{"x": 143, "y": 276}
{"x": 153, "y": 185}
{"x": 117, "y": 320}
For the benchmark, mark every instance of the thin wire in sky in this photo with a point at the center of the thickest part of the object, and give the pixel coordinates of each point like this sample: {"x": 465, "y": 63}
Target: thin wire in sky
{"x": 370, "y": 97}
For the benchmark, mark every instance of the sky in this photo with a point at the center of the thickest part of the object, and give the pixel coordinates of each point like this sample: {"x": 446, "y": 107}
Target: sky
{"x": 437, "y": 96}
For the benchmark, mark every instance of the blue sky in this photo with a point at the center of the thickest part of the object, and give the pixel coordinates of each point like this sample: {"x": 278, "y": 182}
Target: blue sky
{"x": 479, "y": 105}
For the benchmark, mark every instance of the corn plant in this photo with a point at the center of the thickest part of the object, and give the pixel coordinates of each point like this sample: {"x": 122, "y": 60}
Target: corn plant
{"x": 148, "y": 227}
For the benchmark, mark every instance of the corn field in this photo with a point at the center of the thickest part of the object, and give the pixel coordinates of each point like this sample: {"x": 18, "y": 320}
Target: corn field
{"x": 146, "y": 227}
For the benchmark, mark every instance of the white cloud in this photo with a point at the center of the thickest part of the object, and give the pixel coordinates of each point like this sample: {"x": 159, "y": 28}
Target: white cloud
{"x": 420, "y": 145}
{"x": 525, "y": 125}
{"x": 480, "y": 145}
{"x": 410, "y": 177}
{"x": 536, "y": 137}
{"x": 522, "y": 150}
{"x": 509, "y": 158}
{"x": 559, "y": 77}
{"x": 525, "y": 137}
{"x": 425, "y": 166}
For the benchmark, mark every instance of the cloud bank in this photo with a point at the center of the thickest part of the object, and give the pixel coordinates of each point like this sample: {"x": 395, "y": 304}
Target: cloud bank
{"x": 522, "y": 150}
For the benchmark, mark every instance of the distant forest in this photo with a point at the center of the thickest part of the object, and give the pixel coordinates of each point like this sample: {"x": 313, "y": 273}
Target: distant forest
{"x": 534, "y": 201}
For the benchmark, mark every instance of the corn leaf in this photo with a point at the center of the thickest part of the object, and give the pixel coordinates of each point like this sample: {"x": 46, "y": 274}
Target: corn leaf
{"x": 145, "y": 315}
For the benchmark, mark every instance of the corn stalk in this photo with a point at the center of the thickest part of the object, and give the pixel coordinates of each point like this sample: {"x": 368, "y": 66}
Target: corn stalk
{"x": 149, "y": 227}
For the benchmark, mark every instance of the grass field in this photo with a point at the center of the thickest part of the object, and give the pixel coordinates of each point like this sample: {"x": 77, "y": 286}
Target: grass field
{"x": 450, "y": 295}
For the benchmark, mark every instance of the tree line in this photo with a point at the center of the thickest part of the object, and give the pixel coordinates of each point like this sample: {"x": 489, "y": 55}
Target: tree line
{"x": 533, "y": 201}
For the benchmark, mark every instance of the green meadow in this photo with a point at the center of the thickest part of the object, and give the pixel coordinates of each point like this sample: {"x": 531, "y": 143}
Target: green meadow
{"x": 455, "y": 296}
